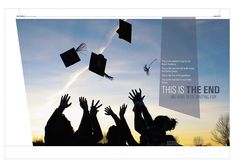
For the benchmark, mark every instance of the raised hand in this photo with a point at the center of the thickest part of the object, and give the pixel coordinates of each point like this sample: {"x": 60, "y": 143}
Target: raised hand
{"x": 83, "y": 103}
{"x": 108, "y": 111}
{"x": 122, "y": 110}
{"x": 94, "y": 108}
{"x": 136, "y": 96}
{"x": 64, "y": 101}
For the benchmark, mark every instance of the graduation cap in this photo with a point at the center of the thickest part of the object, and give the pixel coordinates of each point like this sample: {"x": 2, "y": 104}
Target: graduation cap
{"x": 124, "y": 30}
{"x": 70, "y": 57}
{"x": 147, "y": 67}
{"x": 97, "y": 65}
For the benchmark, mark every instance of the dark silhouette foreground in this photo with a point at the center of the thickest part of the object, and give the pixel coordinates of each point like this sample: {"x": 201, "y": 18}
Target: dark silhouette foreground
{"x": 153, "y": 132}
{"x": 119, "y": 134}
{"x": 59, "y": 132}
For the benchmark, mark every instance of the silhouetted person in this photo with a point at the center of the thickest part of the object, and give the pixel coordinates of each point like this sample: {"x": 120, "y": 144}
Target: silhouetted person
{"x": 153, "y": 132}
{"x": 58, "y": 131}
{"x": 115, "y": 136}
{"x": 120, "y": 134}
{"x": 157, "y": 133}
{"x": 89, "y": 131}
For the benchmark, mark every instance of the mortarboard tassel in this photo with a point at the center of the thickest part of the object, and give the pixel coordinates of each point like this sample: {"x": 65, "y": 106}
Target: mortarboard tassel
{"x": 108, "y": 76}
{"x": 81, "y": 47}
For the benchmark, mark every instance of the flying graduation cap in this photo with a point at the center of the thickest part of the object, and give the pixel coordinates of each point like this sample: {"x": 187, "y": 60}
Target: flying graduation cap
{"x": 147, "y": 67}
{"x": 71, "y": 57}
{"x": 97, "y": 65}
{"x": 124, "y": 30}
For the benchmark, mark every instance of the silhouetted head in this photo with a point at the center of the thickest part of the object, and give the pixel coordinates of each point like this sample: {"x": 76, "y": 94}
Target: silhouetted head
{"x": 115, "y": 137}
{"x": 164, "y": 123}
{"x": 59, "y": 132}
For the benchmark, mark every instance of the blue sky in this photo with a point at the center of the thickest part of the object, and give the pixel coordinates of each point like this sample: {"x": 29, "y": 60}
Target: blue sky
{"x": 43, "y": 40}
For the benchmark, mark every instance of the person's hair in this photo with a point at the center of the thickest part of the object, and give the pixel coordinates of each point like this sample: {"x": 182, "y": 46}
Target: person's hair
{"x": 165, "y": 123}
{"x": 172, "y": 124}
{"x": 115, "y": 137}
{"x": 112, "y": 133}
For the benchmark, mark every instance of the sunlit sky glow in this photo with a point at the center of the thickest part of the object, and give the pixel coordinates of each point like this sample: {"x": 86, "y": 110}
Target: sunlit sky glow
{"x": 46, "y": 79}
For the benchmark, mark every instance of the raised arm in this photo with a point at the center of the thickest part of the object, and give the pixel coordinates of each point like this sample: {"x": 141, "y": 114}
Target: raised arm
{"x": 137, "y": 98}
{"x": 127, "y": 132}
{"x": 63, "y": 105}
{"x": 85, "y": 125}
{"x": 97, "y": 132}
{"x": 58, "y": 125}
{"x": 142, "y": 108}
{"x": 108, "y": 111}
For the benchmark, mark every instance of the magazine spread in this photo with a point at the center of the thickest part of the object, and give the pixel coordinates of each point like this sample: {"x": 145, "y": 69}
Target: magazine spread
{"x": 126, "y": 82}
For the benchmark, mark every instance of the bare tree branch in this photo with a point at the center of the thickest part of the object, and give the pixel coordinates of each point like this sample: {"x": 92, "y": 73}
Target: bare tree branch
{"x": 221, "y": 133}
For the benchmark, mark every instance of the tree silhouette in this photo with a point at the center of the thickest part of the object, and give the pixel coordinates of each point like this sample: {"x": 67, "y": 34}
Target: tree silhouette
{"x": 198, "y": 141}
{"x": 221, "y": 133}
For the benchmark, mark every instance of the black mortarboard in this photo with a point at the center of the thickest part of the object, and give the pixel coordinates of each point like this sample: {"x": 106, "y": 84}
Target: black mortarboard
{"x": 124, "y": 30}
{"x": 70, "y": 57}
{"x": 97, "y": 65}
